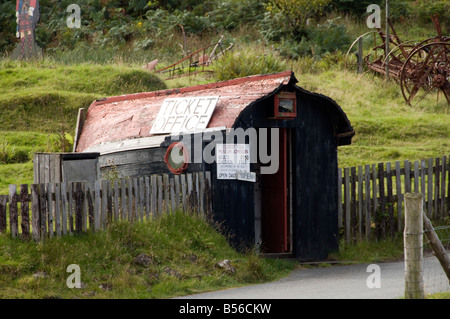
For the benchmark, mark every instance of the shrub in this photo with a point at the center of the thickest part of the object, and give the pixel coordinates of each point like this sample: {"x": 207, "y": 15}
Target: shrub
{"x": 426, "y": 8}
{"x": 192, "y": 23}
{"x": 210, "y": 16}
{"x": 326, "y": 38}
{"x": 247, "y": 63}
{"x": 399, "y": 10}
{"x": 352, "y": 6}
{"x": 315, "y": 65}
{"x": 275, "y": 28}
{"x": 290, "y": 16}
{"x": 7, "y": 26}
{"x": 230, "y": 14}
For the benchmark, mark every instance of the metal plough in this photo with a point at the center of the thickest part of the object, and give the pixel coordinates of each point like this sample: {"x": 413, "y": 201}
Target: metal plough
{"x": 195, "y": 62}
{"x": 420, "y": 68}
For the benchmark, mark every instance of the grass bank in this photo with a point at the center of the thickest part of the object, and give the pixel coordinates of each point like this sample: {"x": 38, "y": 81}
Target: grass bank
{"x": 42, "y": 96}
{"x": 181, "y": 253}
{"x": 39, "y": 102}
{"x": 386, "y": 128}
{"x": 39, "y": 115}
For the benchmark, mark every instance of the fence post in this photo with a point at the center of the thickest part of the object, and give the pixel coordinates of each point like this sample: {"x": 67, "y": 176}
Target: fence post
{"x": 25, "y": 207}
{"x": 360, "y": 56}
{"x": 413, "y": 243}
{"x": 13, "y": 211}
{"x": 437, "y": 246}
{"x": 3, "y": 203}
{"x": 35, "y": 213}
{"x": 78, "y": 207}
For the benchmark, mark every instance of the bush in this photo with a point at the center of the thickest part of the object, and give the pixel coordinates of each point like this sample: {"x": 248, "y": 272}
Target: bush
{"x": 326, "y": 38}
{"x": 230, "y": 14}
{"x": 275, "y": 28}
{"x": 210, "y": 16}
{"x": 399, "y": 10}
{"x": 288, "y": 18}
{"x": 316, "y": 65}
{"x": 426, "y": 8}
{"x": 7, "y": 26}
{"x": 192, "y": 23}
{"x": 172, "y": 5}
{"x": 356, "y": 7}
{"x": 247, "y": 63}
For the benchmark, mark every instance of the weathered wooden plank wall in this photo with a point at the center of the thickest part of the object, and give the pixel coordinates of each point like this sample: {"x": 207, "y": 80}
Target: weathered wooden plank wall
{"x": 58, "y": 209}
{"x": 371, "y": 197}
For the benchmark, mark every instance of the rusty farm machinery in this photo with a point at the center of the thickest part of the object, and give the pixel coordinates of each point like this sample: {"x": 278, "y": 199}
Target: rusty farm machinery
{"x": 421, "y": 68}
{"x": 195, "y": 62}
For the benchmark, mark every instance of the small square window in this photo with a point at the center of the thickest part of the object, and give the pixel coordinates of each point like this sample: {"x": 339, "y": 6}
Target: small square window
{"x": 285, "y": 105}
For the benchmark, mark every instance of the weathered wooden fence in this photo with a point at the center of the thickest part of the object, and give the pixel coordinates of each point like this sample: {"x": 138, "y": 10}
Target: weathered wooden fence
{"x": 74, "y": 207}
{"x": 372, "y": 196}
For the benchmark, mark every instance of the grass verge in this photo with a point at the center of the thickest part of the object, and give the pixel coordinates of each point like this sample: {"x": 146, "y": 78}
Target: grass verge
{"x": 182, "y": 253}
{"x": 43, "y": 95}
{"x": 387, "y": 250}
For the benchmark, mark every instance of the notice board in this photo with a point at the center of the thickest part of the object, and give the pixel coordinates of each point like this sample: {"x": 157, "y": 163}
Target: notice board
{"x": 233, "y": 160}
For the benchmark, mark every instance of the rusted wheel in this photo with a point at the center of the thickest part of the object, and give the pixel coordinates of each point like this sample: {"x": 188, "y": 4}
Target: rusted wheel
{"x": 396, "y": 58}
{"x": 426, "y": 71}
{"x": 351, "y": 58}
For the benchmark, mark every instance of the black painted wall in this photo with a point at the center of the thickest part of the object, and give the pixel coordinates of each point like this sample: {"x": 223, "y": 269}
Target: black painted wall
{"x": 315, "y": 229}
{"x": 316, "y": 224}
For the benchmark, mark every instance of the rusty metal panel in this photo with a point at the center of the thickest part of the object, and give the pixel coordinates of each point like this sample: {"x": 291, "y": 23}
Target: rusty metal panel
{"x": 131, "y": 116}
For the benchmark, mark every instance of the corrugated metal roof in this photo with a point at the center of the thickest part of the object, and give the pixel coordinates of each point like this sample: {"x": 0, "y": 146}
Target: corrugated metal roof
{"x": 126, "y": 117}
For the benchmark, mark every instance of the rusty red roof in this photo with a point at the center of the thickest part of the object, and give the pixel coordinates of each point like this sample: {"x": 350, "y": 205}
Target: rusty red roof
{"x": 126, "y": 117}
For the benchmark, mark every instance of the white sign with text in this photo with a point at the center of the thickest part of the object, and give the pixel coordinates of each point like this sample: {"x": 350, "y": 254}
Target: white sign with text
{"x": 232, "y": 160}
{"x": 184, "y": 115}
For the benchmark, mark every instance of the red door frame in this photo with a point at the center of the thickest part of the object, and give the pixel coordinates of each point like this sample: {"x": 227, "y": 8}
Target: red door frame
{"x": 275, "y": 209}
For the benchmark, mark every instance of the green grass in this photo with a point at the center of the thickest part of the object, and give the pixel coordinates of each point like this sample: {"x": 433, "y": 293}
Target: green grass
{"x": 442, "y": 295}
{"x": 19, "y": 147}
{"x": 181, "y": 242}
{"x": 17, "y": 150}
{"x": 21, "y": 173}
{"x": 39, "y": 102}
{"x": 42, "y": 96}
{"x": 386, "y": 128}
{"x": 387, "y": 250}
{"x": 248, "y": 62}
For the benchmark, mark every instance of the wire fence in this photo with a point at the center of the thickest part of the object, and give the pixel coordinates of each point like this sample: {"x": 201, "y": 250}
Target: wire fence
{"x": 434, "y": 277}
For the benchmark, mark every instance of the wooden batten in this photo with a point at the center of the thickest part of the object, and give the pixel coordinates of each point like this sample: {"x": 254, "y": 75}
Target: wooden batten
{"x": 79, "y": 127}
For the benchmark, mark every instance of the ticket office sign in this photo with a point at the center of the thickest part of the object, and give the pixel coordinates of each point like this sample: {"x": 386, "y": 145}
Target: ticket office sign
{"x": 184, "y": 115}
